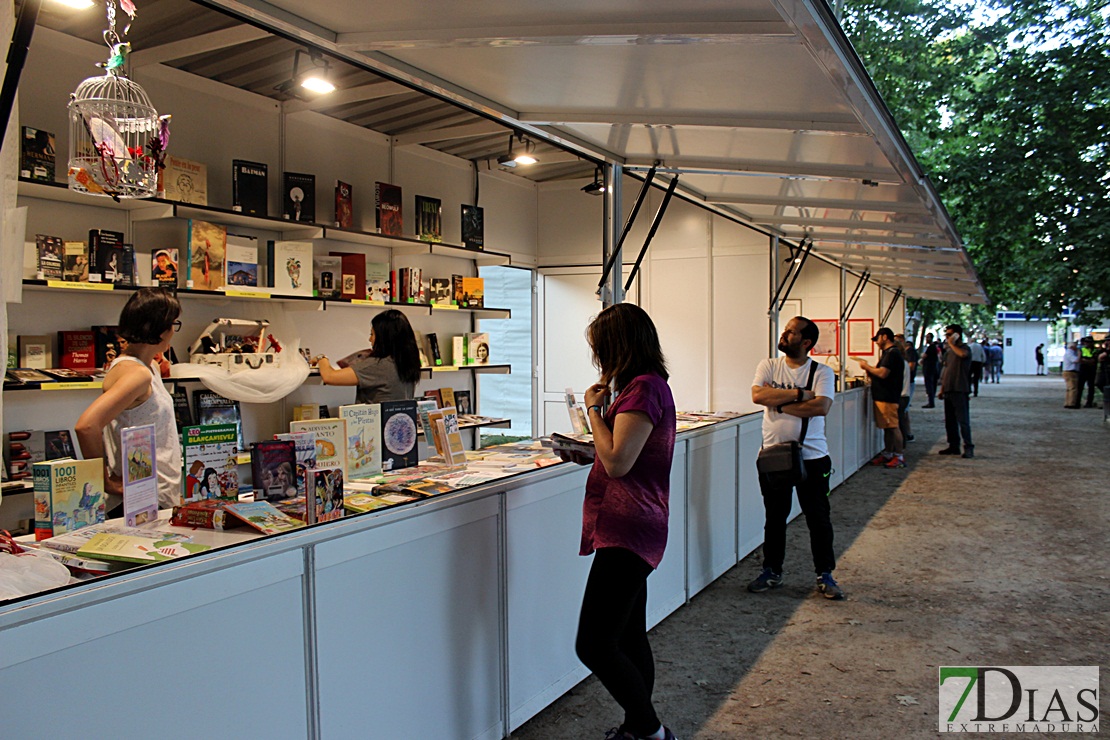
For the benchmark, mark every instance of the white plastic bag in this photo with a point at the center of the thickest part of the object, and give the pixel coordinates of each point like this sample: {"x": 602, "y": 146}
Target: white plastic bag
{"x": 29, "y": 573}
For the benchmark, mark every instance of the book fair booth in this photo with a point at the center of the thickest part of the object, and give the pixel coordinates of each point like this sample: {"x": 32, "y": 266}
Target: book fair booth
{"x": 724, "y": 165}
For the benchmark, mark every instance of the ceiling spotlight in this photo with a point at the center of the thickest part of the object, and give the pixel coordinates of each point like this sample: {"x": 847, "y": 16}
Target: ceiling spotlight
{"x": 314, "y": 78}
{"x": 522, "y": 156}
{"x": 76, "y": 4}
{"x": 597, "y": 187}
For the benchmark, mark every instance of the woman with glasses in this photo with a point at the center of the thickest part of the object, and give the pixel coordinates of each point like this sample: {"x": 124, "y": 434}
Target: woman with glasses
{"x": 133, "y": 395}
{"x": 388, "y": 371}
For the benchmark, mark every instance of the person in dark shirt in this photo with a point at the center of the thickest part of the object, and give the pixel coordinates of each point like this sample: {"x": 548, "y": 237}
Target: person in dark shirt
{"x": 1039, "y": 354}
{"x": 955, "y": 389}
{"x": 930, "y": 368}
{"x": 886, "y": 394}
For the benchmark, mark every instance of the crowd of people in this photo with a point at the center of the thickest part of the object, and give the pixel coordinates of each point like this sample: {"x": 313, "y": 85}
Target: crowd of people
{"x": 1086, "y": 366}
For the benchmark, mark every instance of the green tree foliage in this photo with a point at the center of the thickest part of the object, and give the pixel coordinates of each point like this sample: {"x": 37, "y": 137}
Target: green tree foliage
{"x": 1006, "y": 103}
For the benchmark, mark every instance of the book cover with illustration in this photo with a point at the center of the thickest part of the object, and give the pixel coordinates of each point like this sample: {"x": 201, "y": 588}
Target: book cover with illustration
{"x": 50, "y": 262}
{"x": 140, "y": 475}
{"x": 274, "y": 469}
{"x": 263, "y": 516}
{"x": 477, "y": 348}
{"x": 76, "y": 262}
{"x": 399, "y": 449}
{"x": 360, "y": 503}
{"x": 425, "y": 406}
{"x": 249, "y": 185}
{"x": 129, "y": 549}
{"x": 327, "y": 276}
{"x": 304, "y": 449}
{"x": 331, "y": 440}
{"x": 344, "y": 205}
{"x": 242, "y": 261}
{"x": 440, "y": 291}
{"x": 364, "y": 443}
{"x": 473, "y": 227}
{"x": 99, "y": 239}
{"x": 69, "y": 495}
{"x": 462, "y": 403}
{"x": 210, "y": 408}
{"x": 429, "y": 219}
{"x": 184, "y": 181}
{"x": 290, "y": 268}
{"x": 352, "y": 274}
{"x": 163, "y": 268}
{"x": 298, "y": 192}
{"x": 77, "y": 350}
{"x": 387, "y": 208}
{"x": 108, "y": 347}
{"x": 205, "y": 255}
{"x": 377, "y": 281}
{"x": 115, "y": 263}
{"x": 474, "y": 290}
{"x": 328, "y": 485}
{"x": 37, "y": 155}
{"x": 211, "y": 462}
{"x": 35, "y": 351}
{"x": 73, "y": 541}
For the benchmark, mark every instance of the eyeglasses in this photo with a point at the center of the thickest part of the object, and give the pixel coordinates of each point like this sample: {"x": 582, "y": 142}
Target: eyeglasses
{"x": 177, "y": 325}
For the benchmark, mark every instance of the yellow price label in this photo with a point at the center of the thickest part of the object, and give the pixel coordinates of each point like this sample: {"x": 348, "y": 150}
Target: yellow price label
{"x": 65, "y": 284}
{"x": 245, "y": 294}
{"x": 444, "y": 307}
{"x": 366, "y": 302}
{"x": 83, "y": 385}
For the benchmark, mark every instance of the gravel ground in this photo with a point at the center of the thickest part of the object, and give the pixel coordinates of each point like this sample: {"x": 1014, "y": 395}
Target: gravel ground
{"x": 1000, "y": 560}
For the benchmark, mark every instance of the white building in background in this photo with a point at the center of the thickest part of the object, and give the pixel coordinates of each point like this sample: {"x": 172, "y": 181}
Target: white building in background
{"x": 1020, "y": 337}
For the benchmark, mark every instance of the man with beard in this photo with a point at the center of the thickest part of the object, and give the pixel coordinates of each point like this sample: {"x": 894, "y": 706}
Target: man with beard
{"x": 795, "y": 388}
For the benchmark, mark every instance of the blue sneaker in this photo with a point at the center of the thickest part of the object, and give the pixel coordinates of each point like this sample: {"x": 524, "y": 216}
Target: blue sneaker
{"x": 765, "y": 581}
{"x": 829, "y": 588}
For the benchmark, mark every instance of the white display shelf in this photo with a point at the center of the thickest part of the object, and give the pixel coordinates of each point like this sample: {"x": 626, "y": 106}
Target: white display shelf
{"x": 59, "y": 192}
{"x": 409, "y": 245}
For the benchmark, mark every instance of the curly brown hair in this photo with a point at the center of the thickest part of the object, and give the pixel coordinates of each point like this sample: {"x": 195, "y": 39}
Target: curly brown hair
{"x": 625, "y": 344}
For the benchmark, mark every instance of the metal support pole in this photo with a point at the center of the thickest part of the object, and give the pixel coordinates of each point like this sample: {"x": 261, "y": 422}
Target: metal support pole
{"x": 843, "y": 350}
{"x": 772, "y": 287}
{"x": 856, "y": 295}
{"x": 613, "y": 194}
{"x": 651, "y": 232}
{"x": 17, "y": 57}
{"x": 890, "y": 308}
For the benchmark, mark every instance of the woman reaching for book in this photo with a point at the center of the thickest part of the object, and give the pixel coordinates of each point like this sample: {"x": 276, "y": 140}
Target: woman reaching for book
{"x": 625, "y": 512}
{"x": 133, "y": 395}
{"x": 388, "y": 371}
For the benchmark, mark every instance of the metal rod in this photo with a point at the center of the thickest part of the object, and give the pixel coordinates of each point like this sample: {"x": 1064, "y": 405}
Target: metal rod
{"x": 805, "y": 247}
{"x": 627, "y": 226}
{"x": 857, "y": 293}
{"x": 651, "y": 232}
{"x": 890, "y": 308}
{"x": 17, "y": 56}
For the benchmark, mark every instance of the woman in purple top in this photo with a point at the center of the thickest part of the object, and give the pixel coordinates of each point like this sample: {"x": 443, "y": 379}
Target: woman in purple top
{"x": 625, "y": 512}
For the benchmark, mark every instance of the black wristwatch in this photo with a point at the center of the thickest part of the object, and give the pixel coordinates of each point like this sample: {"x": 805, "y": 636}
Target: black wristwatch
{"x": 595, "y": 406}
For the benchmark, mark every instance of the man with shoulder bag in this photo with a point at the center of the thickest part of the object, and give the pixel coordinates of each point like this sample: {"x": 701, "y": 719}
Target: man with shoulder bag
{"x": 797, "y": 393}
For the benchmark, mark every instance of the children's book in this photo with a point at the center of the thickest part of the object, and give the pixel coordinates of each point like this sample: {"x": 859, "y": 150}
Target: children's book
{"x": 387, "y": 208}
{"x": 206, "y": 255}
{"x": 207, "y": 514}
{"x": 328, "y": 484}
{"x": 184, "y": 180}
{"x": 73, "y": 541}
{"x": 344, "y": 206}
{"x": 274, "y": 469}
{"x": 331, "y": 440}
{"x": 477, "y": 348}
{"x": 131, "y": 549}
{"x": 249, "y": 187}
{"x": 377, "y": 281}
{"x": 364, "y": 444}
{"x": 51, "y": 259}
{"x": 474, "y": 289}
{"x": 211, "y": 408}
{"x": 298, "y": 192}
{"x": 399, "y": 449}
{"x": 242, "y": 261}
{"x": 429, "y": 219}
{"x": 77, "y": 350}
{"x": 163, "y": 268}
{"x": 473, "y": 227}
{"x": 290, "y": 268}
{"x": 37, "y": 155}
{"x": 327, "y": 276}
{"x": 423, "y": 408}
{"x": 211, "y": 462}
{"x": 352, "y": 281}
{"x": 76, "y": 267}
{"x": 264, "y": 517}
{"x": 140, "y": 480}
{"x": 304, "y": 448}
{"x": 360, "y": 503}
{"x": 69, "y": 495}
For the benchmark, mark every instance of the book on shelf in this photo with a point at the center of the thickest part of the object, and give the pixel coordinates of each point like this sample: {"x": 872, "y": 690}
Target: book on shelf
{"x": 327, "y": 483}
{"x": 163, "y": 267}
{"x": 140, "y": 479}
{"x": 51, "y": 257}
{"x": 344, "y": 205}
{"x": 107, "y": 344}
{"x": 249, "y": 187}
{"x": 182, "y": 411}
{"x": 59, "y": 444}
{"x": 242, "y": 261}
{"x": 304, "y": 451}
{"x": 77, "y": 350}
{"x": 434, "y": 395}
{"x": 474, "y": 289}
{"x": 263, "y": 516}
{"x": 100, "y": 239}
{"x": 434, "y": 354}
{"x": 298, "y": 193}
{"x": 331, "y": 440}
{"x": 76, "y": 262}
{"x": 473, "y": 227}
{"x": 364, "y": 439}
{"x": 377, "y": 281}
{"x": 477, "y": 348}
{"x": 22, "y": 449}
{"x": 210, "y": 453}
{"x": 65, "y": 375}
{"x": 35, "y": 351}
{"x": 206, "y": 253}
{"x": 206, "y": 514}
{"x": 28, "y": 375}
{"x": 446, "y": 397}
{"x": 457, "y": 294}
{"x": 425, "y": 406}
{"x": 274, "y": 469}
{"x": 399, "y": 449}
{"x": 429, "y": 219}
{"x": 439, "y": 291}
{"x": 69, "y": 494}
{"x": 352, "y": 274}
{"x": 131, "y": 549}
{"x": 360, "y": 503}
{"x": 210, "y": 408}
{"x": 462, "y": 403}
{"x": 387, "y": 209}
{"x": 36, "y": 160}
{"x": 73, "y": 541}
{"x": 289, "y": 265}
{"x": 327, "y": 276}
{"x": 184, "y": 181}
{"x": 115, "y": 263}
{"x": 458, "y": 350}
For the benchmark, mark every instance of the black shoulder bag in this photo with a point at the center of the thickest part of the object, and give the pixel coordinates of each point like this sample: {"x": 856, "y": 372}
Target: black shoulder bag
{"x": 782, "y": 463}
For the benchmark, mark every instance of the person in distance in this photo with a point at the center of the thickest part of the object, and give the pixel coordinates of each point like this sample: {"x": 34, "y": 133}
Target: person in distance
{"x": 388, "y": 371}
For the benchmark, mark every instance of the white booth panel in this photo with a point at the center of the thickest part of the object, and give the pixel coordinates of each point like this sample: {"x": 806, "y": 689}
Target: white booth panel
{"x": 750, "y": 515}
{"x": 113, "y": 663}
{"x": 740, "y": 329}
{"x": 711, "y": 507}
{"x": 834, "y": 434}
{"x": 546, "y": 579}
{"x": 667, "y": 585}
{"x": 679, "y": 305}
{"x": 849, "y": 421}
{"x": 430, "y": 581}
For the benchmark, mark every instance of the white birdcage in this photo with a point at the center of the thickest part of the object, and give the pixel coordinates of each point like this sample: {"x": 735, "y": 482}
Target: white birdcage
{"x": 111, "y": 120}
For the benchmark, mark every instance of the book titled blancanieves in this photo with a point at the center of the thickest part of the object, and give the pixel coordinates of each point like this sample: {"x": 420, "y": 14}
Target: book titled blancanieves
{"x": 130, "y": 549}
{"x": 331, "y": 440}
{"x": 211, "y": 462}
{"x": 290, "y": 268}
{"x": 205, "y": 256}
{"x": 242, "y": 261}
{"x": 249, "y": 182}
{"x": 399, "y": 449}
{"x": 184, "y": 180}
{"x": 69, "y": 495}
{"x": 387, "y": 208}
{"x": 429, "y": 218}
{"x": 364, "y": 441}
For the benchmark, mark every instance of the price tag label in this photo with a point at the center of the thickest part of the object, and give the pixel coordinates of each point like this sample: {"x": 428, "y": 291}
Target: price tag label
{"x": 84, "y": 385}
{"x": 365, "y": 302}
{"x": 444, "y": 307}
{"x": 245, "y": 294}
{"x": 66, "y": 285}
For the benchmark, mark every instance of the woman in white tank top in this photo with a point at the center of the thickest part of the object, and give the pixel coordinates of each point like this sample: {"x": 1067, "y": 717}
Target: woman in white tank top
{"x": 133, "y": 395}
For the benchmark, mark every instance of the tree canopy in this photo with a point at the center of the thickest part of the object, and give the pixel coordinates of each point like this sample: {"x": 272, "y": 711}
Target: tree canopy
{"x": 1006, "y": 104}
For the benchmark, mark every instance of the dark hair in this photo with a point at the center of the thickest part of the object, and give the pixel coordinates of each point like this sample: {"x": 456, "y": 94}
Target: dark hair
{"x": 809, "y": 331}
{"x": 625, "y": 344}
{"x": 393, "y": 337}
{"x": 147, "y": 314}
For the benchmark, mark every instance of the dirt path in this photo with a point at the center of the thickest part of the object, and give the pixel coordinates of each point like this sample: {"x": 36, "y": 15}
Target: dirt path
{"x": 1000, "y": 560}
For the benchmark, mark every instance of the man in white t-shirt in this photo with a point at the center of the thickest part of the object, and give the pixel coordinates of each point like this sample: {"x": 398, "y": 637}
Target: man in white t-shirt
{"x": 780, "y": 384}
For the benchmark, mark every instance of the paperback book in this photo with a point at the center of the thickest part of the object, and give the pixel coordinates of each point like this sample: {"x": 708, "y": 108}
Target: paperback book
{"x": 360, "y": 503}
{"x": 36, "y": 351}
{"x": 327, "y": 277}
{"x": 377, "y": 281}
{"x": 140, "y": 481}
{"x": 99, "y": 240}
{"x": 130, "y": 549}
{"x": 274, "y": 469}
{"x": 69, "y": 495}
{"x": 440, "y": 291}
{"x": 211, "y": 408}
{"x": 59, "y": 444}
{"x": 473, "y": 289}
{"x": 477, "y": 348}
{"x": 184, "y": 181}
{"x": 290, "y": 265}
{"x": 399, "y": 449}
{"x": 304, "y": 449}
{"x": 462, "y": 403}
{"x": 76, "y": 262}
{"x": 364, "y": 447}
{"x": 163, "y": 268}
{"x": 37, "y": 155}
{"x": 207, "y": 514}
{"x": 51, "y": 261}
{"x": 116, "y": 263}
{"x": 424, "y": 407}
{"x": 242, "y": 261}
{"x": 331, "y": 440}
{"x": 328, "y": 486}
{"x": 299, "y": 197}
{"x": 264, "y": 517}
{"x": 249, "y": 187}
{"x": 77, "y": 350}
{"x": 352, "y": 274}
{"x": 211, "y": 462}
{"x": 206, "y": 254}
{"x": 344, "y": 206}
{"x": 473, "y": 227}
{"x": 387, "y": 208}
{"x": 429, "y": 219}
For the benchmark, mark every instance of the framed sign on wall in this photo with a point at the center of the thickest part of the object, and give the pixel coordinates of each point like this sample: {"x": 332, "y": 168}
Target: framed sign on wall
{"x": 860, "y": 332}
{"x": 829, "y": 340}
